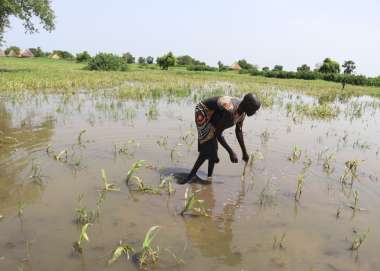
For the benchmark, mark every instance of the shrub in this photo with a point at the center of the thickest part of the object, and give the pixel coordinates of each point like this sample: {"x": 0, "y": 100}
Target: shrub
{"x": 63, "y": 54}
{"x": 304, "y": 68}
{"x": 329, "y": 66}
{"x": 37, "y": 52}
{"x": 15, "y": 49}
{"x": 107, "y": 62}
{"x": 129, "y": 58}
{"x": 166, "y": 61}
{"x": 141, "y": 60}
{"x": 245, "y": 65}
{"x": 149, "y": 60}
{"x": 83, "y": 57}
{"x": 201, "y": 68}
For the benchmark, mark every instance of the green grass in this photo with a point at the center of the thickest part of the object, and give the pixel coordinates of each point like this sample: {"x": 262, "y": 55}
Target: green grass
{"x": 18, "y": 74}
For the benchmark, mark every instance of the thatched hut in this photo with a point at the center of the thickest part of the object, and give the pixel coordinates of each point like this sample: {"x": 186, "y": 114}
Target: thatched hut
{"x": 235, "y": 67}
{"x": 27, "y": 53}
{"x": 12, "y": 53}
{"x": 54, "y": 56}
{"x": 2, "y": 53}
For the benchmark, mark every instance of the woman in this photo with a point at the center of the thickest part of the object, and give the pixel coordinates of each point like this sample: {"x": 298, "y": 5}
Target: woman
{"x": 212, "y": 117}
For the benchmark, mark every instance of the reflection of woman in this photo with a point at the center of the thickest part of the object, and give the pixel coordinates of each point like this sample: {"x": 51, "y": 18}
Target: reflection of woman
{"x": 212, "y": 117}
{"x": 213, "y": 236}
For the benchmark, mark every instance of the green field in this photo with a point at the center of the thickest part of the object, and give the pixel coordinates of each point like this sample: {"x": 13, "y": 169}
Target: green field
{"x": 59, "y": 75}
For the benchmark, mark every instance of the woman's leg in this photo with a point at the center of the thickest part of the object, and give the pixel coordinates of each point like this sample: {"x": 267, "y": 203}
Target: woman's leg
{"x": 196, "y": 166}
{"x": 211, "y": 164}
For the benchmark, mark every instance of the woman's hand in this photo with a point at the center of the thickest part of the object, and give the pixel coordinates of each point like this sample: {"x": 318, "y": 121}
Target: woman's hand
{"x": 233, "y": 157}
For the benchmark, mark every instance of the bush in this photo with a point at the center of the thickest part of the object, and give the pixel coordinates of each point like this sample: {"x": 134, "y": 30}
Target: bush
{"x": 149, "y": 60}
{"x": 83, "y": 57}
{"x": 15, "y": 49}
{"x": 107, "y": 62}
{"x": 201, "y": 68}
{"x": 166, "y": 61}
{"x": 63, "y": 54}
{"x": 129, "y": 58}
{"x": 141, "y": 60}
{"x": 37, "y": 52}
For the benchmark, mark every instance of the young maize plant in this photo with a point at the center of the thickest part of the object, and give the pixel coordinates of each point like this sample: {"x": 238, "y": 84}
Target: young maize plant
{"x": 358, "y": 240}
{"x": 167, "y": 183}
{"x": 135, "y": 166}
{"x": 121, "y": 250}
{"x": 82, "y": 237}
{"x": 192, "y": 203}
{"x": 296, "y": 154}
{"x": 108, "y": 187}
{"x": 148, "y": 255}
{"x": 142, "y": 187}
{"x": 79, "y": 139}
{"x": 350, "y": 171}
{"x": 300, "y": 181}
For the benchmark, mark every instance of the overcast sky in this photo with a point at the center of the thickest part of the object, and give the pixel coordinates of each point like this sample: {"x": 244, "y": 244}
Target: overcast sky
{"x": 266, "y": 33}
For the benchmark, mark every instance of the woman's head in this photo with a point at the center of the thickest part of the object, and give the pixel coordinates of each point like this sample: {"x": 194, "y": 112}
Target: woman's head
{"x": 250, "y": 104}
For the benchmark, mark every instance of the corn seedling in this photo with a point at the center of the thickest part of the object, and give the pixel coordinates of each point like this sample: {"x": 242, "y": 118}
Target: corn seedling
{"x": 79, "y": 139}
{"x": 356, "y": 204}
{"x": 358, "y": 240}
{"x": 108, "y": 186}
{"x": 20, "y": 209}
{"x": 279, "y": 242}
{"x": 178, "y": 260}
{"x": 36, "y": 172}
{"x": 264, "y": 136}
{"x": 174, "y": 152}
{"x": 148, "y": 255}
{"x": 327, "y": 166}
{"x": 350, "y": 171}
{"x": 167, "y": 183}
{"x": 296, "y": 154}
{"x": 121, "y": 250}
{"x": 192, "y": 203}
{"x": 142, "y": 187}
{"x": 62, "y": 156}
{"x": 338, "y": 212}
{"x": 300, "y": 181}
{"x": 82, "y": 237}
{"x": 83, "y": 215}
{"x": 135, "y": 166}
{"x": 163, "y": 141}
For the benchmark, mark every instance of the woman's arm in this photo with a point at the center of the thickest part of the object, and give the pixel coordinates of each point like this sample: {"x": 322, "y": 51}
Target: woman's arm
{"x": 224, "y": 124}
{"x": 240, "y": 138}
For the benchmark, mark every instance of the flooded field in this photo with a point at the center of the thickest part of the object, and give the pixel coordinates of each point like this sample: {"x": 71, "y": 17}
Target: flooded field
{"x": 309, "y": 198}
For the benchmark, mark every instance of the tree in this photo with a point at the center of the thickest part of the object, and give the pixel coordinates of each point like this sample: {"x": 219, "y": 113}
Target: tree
{"x": 185, "y": 60}
{"x": 37, "y": 52}
{"x": 107, "y": 62}
{"x": 265, "y": 69}
{"x": 304, "y": 68}
{"x": 245, "y": 65}
{"x": 278, "y": 68}
{"x": 83, "y": 57}
{"x": 15, "y": 49}
{"x": 329, "y": 66}
{"x": 27, "y": 11}
{"x": 221, "y": 66}
{"x": 141, "y": 60}
{"x": 349, "y": 67}
{"x": 149, "y": 60}
{"x": 129, "y": 58}
{"x": 166, "y": 61}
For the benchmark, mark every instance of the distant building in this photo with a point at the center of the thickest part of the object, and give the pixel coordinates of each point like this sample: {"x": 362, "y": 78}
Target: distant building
{"x": 27, "y": 53}
{"x": 2, "y": 53}
{"x": 54, "y": 56}
{"x": 13, "y": 54}
{"x": 235, "y": 67}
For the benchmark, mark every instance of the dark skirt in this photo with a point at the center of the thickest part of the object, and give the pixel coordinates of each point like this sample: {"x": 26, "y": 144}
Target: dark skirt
{"x": 207, "y": 142}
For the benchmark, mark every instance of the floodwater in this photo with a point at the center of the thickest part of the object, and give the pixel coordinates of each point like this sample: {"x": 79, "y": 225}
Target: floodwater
{"x": 246, "y": 216}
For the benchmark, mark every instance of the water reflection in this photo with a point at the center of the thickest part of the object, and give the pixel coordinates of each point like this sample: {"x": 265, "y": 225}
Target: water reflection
{"x": 16, "y": 145}
{"x": 213, "y": 235}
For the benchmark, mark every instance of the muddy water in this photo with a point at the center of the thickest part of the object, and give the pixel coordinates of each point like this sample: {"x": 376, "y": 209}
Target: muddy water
{"x": 246, "y": 216}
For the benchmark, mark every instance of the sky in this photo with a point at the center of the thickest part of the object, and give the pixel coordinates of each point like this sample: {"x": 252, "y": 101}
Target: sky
{"x": 265, "y": 33}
